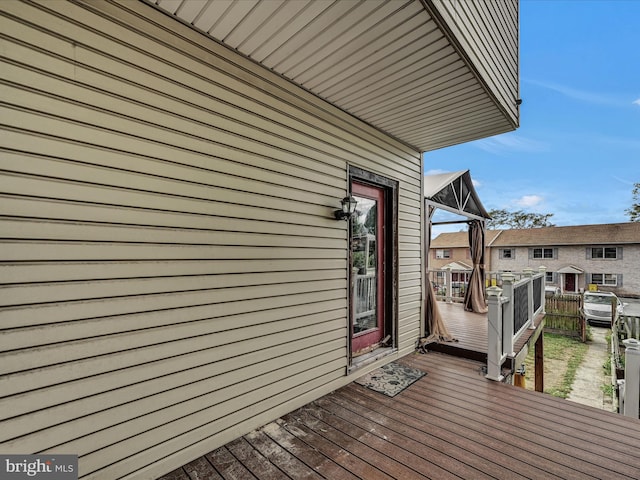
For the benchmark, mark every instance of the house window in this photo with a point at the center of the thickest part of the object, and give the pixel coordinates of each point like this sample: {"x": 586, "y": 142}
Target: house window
{"x": 604, "y": 252}
{"x": 443, "y": 253}
{"x": 542, "y": 253}
{"x": 608, "y": 279}
{"x": 549, "y": 277}
{"x": 507, "y": 253}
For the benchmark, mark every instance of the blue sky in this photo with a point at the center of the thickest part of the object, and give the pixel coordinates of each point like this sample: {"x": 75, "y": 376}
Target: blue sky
{"x": 577, "y": 151}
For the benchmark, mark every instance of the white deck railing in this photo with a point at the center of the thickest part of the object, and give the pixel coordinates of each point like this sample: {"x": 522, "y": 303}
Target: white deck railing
{"x": 628, "y": 327}
{"x": 365, "y": 296}
{"x": 450, "y": 290}
{"x": 512, "y": 310}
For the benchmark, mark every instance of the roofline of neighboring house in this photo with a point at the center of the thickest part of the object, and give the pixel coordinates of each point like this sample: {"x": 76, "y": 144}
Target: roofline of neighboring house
{"x": 490, "y": 244}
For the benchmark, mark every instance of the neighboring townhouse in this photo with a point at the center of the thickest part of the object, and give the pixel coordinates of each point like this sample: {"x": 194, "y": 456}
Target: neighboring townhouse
{"x": 452, "y": 249}
{"x": 606, "y": 257}
{"x": 173, "y": 272}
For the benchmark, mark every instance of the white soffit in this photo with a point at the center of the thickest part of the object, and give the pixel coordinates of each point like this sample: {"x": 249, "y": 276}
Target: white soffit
{"x": 385, "y": 62}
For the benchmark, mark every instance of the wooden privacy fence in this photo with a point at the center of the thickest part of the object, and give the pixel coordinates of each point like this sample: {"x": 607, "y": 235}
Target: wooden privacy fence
{"x": 563, "y": 314}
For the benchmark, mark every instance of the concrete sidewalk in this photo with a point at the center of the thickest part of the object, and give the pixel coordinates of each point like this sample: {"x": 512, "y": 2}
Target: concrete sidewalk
{"x": 590, "y": 376}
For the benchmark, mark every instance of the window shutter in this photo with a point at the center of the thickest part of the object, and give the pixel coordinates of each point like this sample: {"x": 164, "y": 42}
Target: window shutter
{"x": 531, "y": 253}
{"x": 619, "y": 280}
{"x": 554, "y": 278}
{"x": 588, "y": 254}
{"x": 619, "y": 253}
{"x": 555, "y": 253}
{"x": 588, "y": 277}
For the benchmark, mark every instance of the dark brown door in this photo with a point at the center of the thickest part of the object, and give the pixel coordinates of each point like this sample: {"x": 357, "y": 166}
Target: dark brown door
{"x": 367, "y": 268}
{"x": 569, "y": 282}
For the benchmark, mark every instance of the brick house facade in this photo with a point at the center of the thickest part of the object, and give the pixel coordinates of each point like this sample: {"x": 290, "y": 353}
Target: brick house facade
{"x": 606, "y": 255}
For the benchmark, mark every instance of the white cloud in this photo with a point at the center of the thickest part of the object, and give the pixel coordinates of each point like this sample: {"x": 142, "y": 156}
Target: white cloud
{"x": 509, "y": 142}
{"x": 436, "y": 171}
{"x": 636, "y": 102}
{"x": 529, "y": 201}
{"x": 577, "y": 94}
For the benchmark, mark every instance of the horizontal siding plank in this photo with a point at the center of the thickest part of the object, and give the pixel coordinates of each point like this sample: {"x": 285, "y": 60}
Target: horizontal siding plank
{"x": 84, "y": 290}
{"x": 241, "y": 312}
{"x": 46, "y": 209}
{"x": 52, "y": 375}
{"x": 203, "y": 427}
{"x": 154, "y": 304}
{"x": 59, "y": 415}
{"x": 255, "y": 193}
{"x": 25, "y": 359}
{"x": 66, "y": 251}
{"x": 223, "y": 401}
{"x": 14, "y": 273}
{"x": 38, "y": 230}
{"x": 119, "y": 423}
{"x": 172, "y": 201}
{"x": 126, "y": 385}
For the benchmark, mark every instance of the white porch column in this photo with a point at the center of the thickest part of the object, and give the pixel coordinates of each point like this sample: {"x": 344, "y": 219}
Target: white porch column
{"x": 447, "y": 279}
{"x": 494, "y": 334}
{"x": 508, "y": 280}
{"x": 528, "y": 272}
{"x": 543, "y": 270}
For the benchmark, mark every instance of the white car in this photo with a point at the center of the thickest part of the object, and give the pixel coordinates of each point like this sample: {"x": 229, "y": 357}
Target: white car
{"x": 597, "y": 306}
{"x": 550, "y": 290}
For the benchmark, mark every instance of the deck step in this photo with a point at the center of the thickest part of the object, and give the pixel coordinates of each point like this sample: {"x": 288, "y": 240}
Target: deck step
{"x": 452, "y": 348}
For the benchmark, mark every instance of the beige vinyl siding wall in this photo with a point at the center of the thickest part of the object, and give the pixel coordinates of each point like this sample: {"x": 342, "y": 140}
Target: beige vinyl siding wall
{"x": 171, "y": 273}
{"x": 488, "y": 33}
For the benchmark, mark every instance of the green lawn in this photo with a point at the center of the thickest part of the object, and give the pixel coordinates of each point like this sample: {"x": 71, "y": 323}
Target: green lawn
{"x": 562, "y": 356}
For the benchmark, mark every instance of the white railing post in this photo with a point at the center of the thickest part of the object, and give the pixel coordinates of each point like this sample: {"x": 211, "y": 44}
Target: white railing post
{"x": 447, "y": 280}
{"x": 508, "y": 280}
{"x": 494, "y": 338}
{"x": 543, "y": 270}
{"x": 528, "y": 273}
{"x": 631, "y": 406}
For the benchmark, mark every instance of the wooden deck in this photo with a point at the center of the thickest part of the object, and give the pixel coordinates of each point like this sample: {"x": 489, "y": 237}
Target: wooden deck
{"x": 470, "y": 330}
{"x": 452, "y": 423}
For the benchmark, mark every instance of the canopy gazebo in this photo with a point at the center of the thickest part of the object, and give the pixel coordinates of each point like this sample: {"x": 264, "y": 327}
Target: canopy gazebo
{"x": 454, "y": 192}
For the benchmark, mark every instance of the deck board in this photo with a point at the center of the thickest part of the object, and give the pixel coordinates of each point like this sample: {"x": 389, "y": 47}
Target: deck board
{"x": 468, "y": 328}
{"x": 451, "y": 423}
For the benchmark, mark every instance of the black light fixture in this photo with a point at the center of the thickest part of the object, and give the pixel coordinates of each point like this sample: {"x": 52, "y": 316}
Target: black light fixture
{"x": 348, "y": 208}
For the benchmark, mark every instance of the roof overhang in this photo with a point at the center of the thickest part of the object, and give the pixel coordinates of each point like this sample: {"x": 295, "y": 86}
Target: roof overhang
{"x": 571, "y": 269}
{"x": 393, "y": 64}
{"x": 456, "y": 266}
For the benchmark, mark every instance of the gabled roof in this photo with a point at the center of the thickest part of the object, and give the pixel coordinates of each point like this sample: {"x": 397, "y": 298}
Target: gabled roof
{"x": 601, "y": 234}
{"x": 419, "y": 70}
{"x": 455, "y": 193}
{"x": 571, "y": 269}
{"x": 457, "y": 265}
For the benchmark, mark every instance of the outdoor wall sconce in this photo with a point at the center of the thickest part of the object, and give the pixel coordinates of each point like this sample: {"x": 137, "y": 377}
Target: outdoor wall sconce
{"x": 348, "y": 208}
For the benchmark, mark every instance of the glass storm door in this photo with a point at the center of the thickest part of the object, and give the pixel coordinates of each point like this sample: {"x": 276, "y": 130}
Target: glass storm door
{"x": 367, "y": 269}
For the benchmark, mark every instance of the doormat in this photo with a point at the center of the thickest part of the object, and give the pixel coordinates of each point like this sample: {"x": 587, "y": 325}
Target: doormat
{"x": 390, "y": 379}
